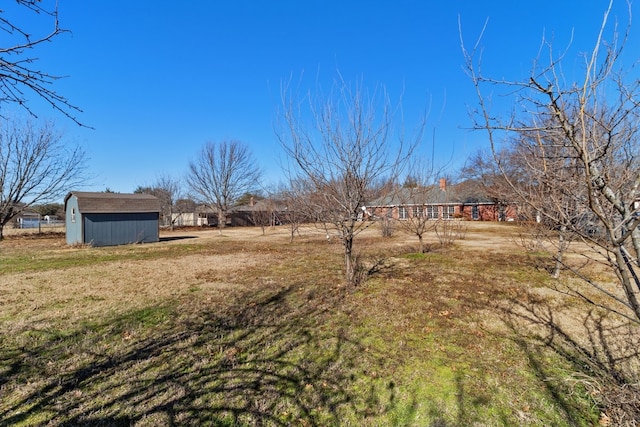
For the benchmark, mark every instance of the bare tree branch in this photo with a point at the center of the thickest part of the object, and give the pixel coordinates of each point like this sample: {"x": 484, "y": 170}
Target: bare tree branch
{"x": 578, "y": 145}
{"x": 36, "y": 167}
{"x": 341, "y": 143}
{"x": 19, "y": 73}
{"x": 221, "y": 174}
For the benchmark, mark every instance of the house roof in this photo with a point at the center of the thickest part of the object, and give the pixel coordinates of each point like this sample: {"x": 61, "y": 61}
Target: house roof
{"x": 416, "y": 196}
{"x": 433, "y": 195}
{"x": 261, "y": 205}
{"x": 89, "y": 202}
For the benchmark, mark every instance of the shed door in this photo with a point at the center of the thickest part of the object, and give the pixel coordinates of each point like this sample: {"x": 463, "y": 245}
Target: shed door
{"x": 120, "y": 228}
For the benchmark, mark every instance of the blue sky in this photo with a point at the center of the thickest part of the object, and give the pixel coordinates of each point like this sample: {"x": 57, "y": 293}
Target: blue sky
{"x": 156, "y": 80}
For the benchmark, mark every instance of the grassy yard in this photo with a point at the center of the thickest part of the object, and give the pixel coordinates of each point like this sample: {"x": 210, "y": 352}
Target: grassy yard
{"x": 250, "y": 329}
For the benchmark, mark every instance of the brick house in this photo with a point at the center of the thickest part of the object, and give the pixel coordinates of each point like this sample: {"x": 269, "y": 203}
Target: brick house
{"x": 441, "y": 202}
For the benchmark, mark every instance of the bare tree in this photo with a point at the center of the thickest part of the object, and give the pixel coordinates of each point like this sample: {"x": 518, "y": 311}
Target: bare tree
{"x": 489, "y": 180}
{"x": 182, "y": 206}
{"x": 168, "y": 190}
{"x": 340, "y": 143}
{"x": 221, "y": 174}
{"x": 550, "y": 181}
{"x": 416, "y": 220}
{"x": 413, "y": 196}
{"x": 263, "y": 217}
{"x": 171, "y": 192}
{"x": 36, "y": 167}
{"x": 262, "y": 210}
{"x": 587, "y": 152}
{"x": 298, "y": 207}
{"x": 19, "y": 74}
{"x": 544, "y": 176}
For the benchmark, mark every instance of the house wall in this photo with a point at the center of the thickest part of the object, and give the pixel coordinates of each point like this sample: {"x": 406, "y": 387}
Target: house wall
{"x": 185, "y": 219}
{"x": 241, "y": 219}
{"x": 108, "y": 229}
{"x": 73, "y": 222}
{"x": 485, "y": 212}
{"x": 490, "y": 212}
{"x": 394, "y": 212}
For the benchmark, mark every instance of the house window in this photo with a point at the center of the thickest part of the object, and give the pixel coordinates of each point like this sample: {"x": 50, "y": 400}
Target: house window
{"x": 73, "y": 214}
{"x": 418, "y": 212}
{"x": 432, "y": 212}
{"x": 448, "y": 211}
{"x": 475, "y": 212}
{"x": 402, "y": 212}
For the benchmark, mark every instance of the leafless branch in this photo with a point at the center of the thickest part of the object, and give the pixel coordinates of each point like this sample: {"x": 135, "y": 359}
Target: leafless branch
{"x": 19, "y": 73}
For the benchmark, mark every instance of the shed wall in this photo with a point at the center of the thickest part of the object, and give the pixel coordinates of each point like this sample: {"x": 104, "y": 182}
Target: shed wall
{"x": 107, "y": 229}
{"x": 73, "y": 222}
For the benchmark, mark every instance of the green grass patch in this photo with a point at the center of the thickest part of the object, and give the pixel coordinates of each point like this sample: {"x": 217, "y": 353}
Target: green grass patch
{"x": 415, "y": 255}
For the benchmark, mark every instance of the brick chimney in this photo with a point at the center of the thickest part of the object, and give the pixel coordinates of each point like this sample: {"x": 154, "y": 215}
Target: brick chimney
{"x": 251, "y": 201}
{"x": 443, "y": 184}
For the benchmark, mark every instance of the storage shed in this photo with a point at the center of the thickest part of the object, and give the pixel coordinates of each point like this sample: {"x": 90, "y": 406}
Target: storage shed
{"x": 107, "y": 219}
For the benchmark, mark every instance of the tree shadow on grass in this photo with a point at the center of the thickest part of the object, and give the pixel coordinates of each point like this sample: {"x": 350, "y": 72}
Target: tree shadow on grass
{"x": 257, "y": 361}
{"x": 601, "y": 350}
{"x": 174, "y": 238}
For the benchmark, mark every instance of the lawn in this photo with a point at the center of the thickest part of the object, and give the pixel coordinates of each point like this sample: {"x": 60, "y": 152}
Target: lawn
{"x": 246, "y": 329}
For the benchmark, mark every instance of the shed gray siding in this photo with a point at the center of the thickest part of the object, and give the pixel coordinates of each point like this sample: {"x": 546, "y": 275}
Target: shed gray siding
{"x": 105, "y": 229}
{"x": 72, "y": 222}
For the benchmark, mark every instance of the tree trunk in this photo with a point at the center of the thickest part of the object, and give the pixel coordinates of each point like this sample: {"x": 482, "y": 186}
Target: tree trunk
{"x": 635, "y": 240}
{"x": 222, "y": 220}
{"x": 561, "y": 249}
{"x": 349, "y": 261}
{"x": 625, "y": 276}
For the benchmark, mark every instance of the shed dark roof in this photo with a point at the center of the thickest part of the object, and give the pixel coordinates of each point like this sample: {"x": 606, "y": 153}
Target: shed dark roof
{"x": 114, "y": 202}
